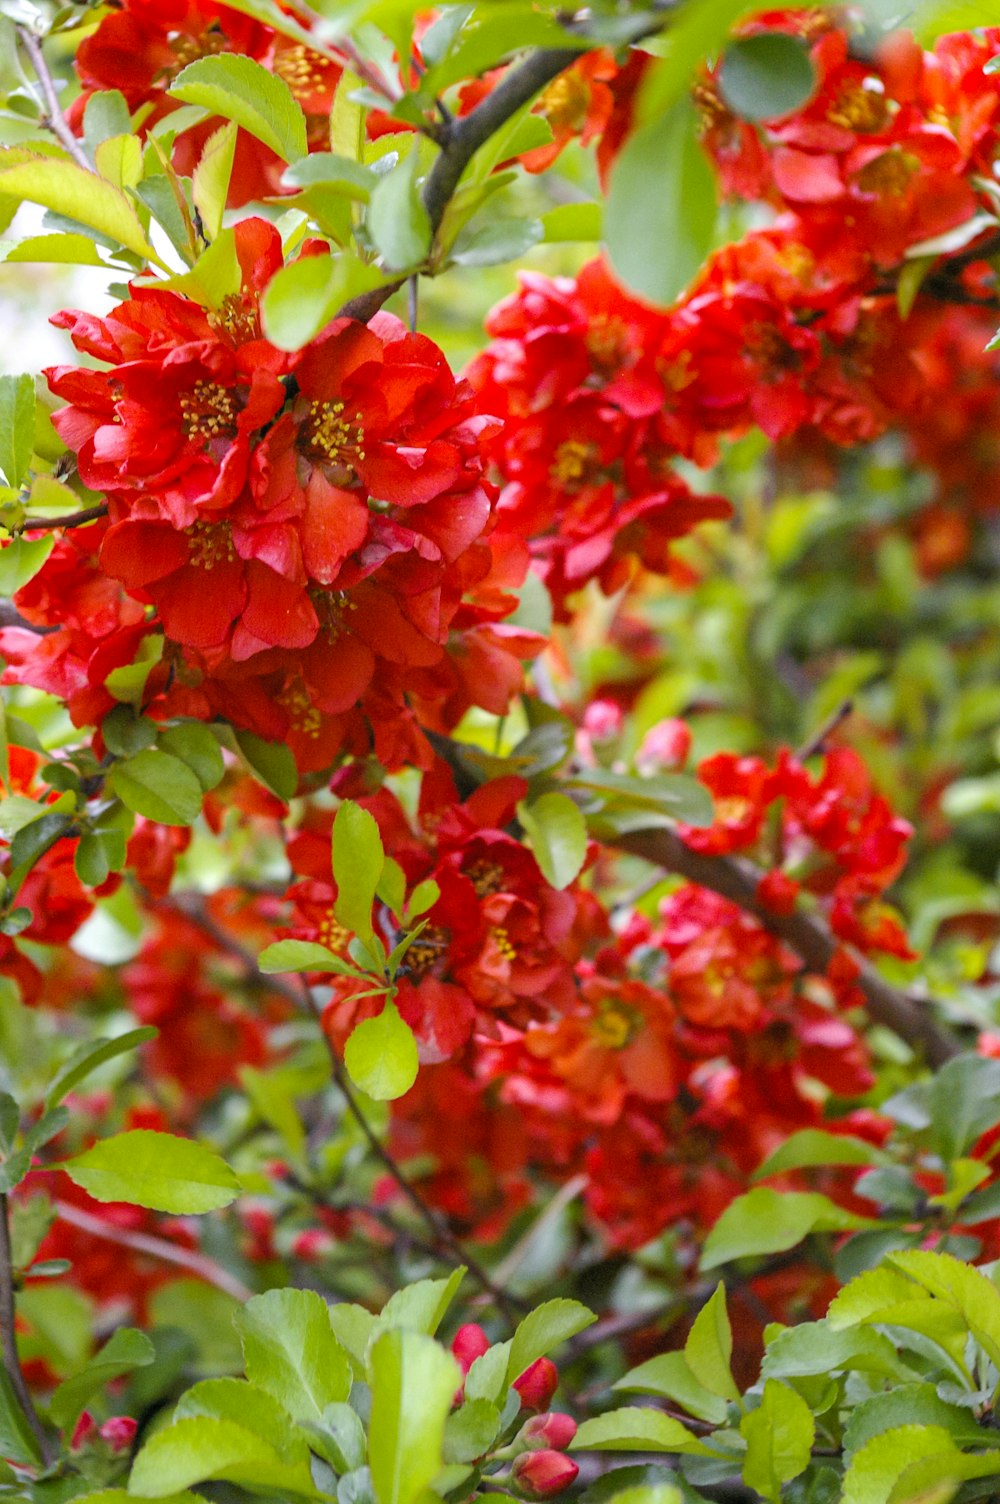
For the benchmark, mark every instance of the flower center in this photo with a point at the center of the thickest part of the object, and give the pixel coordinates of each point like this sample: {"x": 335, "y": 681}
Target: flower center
{"x": 574, "y": 460}
{"x": 210, "y": 543}
{"x": 302, "y": 713}
{"x": 888, "y": 175}
{"x": 303, "y": 70}
{"x": 330, "y": 436}
{"x": 566, "y": 100}
{"x": 332, "y": 933}
{"x": 238, "y": 321}
{"x": 501, "y": 939}
{"x": 859, "y": 107}
{"x": 425, "y": 950}
{"x": 486, "y": 877}
{"x": 708, "y": 103}
{"x": 615, "y": 1023}
{"x": 208, "y": 412}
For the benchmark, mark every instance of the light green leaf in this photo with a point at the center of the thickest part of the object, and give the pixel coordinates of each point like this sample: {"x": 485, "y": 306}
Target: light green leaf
{"x": 709, "y": 1347}
{"x": 304, "y": 296}
{"x": 965, "y": 1103}
{"x": 304, "y": 955}
{"x": 766, "y": 77}
{"x": 210, "y": 180}
{"x": 936, "y": 1478}
{"x": 125, "y": 1349}
{"x": 397, "y": 220}
{"x": 669, "y": 1377}
{"x": 381, "y": 1055}
{"x": 119, "y": 161}
{"x": 290, "y": 1351}
{"x": 17, "y": 1440}
{"x": 659, "y": 219}
{"x": 89, "y": 1056}
{"x": 813, "y": 1347}
{"x": 71, "y": 248}
{"x": 678, "y": 796}
{"x": 573, "y": 222}
{"x": 779, "y": 1435}
{"x": 421, "y": 1307}
{"x": 358, "y": 859}
{"x": 813, "y": 1146}
{"x": 17, "y": 427}
{"x": 973, "y": 1296}
{"x": 543, "y": 1329}
{"x": 237, "y": 88}
{"x": 161, "y": 787}
{"x": 636, "y": 1430}
{"x": 877, "y": 1465}
{"x": 79, "y": 195}
{"x": 766, "y": 1221}
{"x": 413, "y": 1381}
{"x": 202, "y": 1447}
{"x": 20, "y": 561}
{"x": 558, "y": 834}
{"x": 157, "y": 1170}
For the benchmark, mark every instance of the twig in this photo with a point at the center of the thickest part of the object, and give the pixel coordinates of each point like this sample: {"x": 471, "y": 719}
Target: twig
{"x": 301, "y": 998}
{"x": 737, "y": 879}
{"x": 157, "y": 1248}
{"x": 71, "y": 519}
{"x": 8, "y": 1337}
{"x": 817, "y": 742}
{"x": 54, "y": 118}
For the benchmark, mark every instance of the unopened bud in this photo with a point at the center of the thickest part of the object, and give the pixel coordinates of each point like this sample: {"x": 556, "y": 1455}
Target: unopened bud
{"x": 468, "y": 1344}
{"x": 665, "y": 746}
{"x": 542, "y": 1475}
{"x": 537, "y": 1384}
{"x": 119, "y": 1432}
{"x": 83, "y": 1431}
{"x": 549, "y": 1430}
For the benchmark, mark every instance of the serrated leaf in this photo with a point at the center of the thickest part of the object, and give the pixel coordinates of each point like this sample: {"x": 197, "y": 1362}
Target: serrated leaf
{"x": 381, "y": 1055}
{"x": 210, "y": 180}
{"x": 303, "y": 955}
{"x": 237, "y": 88}
{"x": 156, "y": 1170}
{"x": 291, "y": 1352}
{"x": 669, "y": 1377}
{"x": 779, "y": 1435}
{"x": 543, "y": 1329}
{"x": 20, "y": 561}
{"x": 421, "y": 1307}
{"x": 709, "y": 1347}
{"x": 79, "y": 195}
{"x": 201, "y": 1447}
{"x": 877, "y": 1465}
{"x": 157, "y": 785}
{"x": 637, "y": 1430}
{"x": 767, "y": 1221}
{"x": 358, "y": 859}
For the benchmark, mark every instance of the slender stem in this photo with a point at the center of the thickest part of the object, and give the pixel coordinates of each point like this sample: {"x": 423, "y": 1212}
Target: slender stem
{"x": 157, "y": 1248}
{"x": 817, "y": 742}
{"x": 54, "y": 118}
{"x": 444, "y": 1238}
{"x": 71, "y": 519}
{"x": 737, "y": 879}
{"x": 8, "y": 1336}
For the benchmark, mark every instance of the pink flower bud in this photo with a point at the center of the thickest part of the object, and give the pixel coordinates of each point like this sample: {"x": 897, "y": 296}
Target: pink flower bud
{"x": 537, "y": 1384}
{"x": 82, "y": 1431}
{"x": 665, "y": 745}
{"x": 602, "y": 720}
{"x": 542, "y": 1475}
{"x": 468, "y": 1344}
{"x": 119, "y": 1432}
{"x": 550, "y": 1430}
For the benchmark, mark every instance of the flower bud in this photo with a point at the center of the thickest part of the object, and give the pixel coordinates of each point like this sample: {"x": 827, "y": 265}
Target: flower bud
{"x": 468, "y": 1344}
{"x": 665, "y": 746}
{"x": 537, "y": 1384}
{"x": 82, "y": 1431}
{"x": 603, "y": 720}
{"x": 542, "y": 1475}
{"x": 119, "y": 1432}
{"x": 552, "y": 1430}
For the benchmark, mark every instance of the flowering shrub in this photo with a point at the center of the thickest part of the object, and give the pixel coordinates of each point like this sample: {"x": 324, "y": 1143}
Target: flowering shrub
{"x": 515, "y": 812}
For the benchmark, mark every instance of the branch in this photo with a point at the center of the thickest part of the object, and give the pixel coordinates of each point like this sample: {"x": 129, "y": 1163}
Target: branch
{"x": 462, "y": 139}
{"x": 301, "y": 998}
{"x": 737, "y": 879}
{"x": 54, "y": 118}
{"x": 8, "y": 1336}
{"x": 157, "y": 1248}
{"x": 71, "y": 519}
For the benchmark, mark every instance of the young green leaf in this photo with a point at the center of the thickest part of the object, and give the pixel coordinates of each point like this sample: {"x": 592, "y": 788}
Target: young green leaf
{"x": 358, "y": 859}
{"x": 779, "y": 1436}
{"x": 413, "y": 1382}
{"x": 381, "y": 1055}
{"x": 558, "y": 834}
{"x": 709, "y": 1347}
{"x": 237, "y": 88}
{"x": 200, "y": 1448}
{"x": 291, "y": 1352}
{"x": 125, "y": 1350}
{"x": 157, "y": 1170}
{"x": 89, "y": 1056}
{"x": 636, "y": 1430}
{"x": 157, "y": 785}
{"x": 543, "y": 1329}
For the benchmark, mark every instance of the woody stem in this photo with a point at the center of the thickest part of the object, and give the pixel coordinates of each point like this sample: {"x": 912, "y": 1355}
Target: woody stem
{"x": 54, "y": 118}
{"x": 8, "y": 1336}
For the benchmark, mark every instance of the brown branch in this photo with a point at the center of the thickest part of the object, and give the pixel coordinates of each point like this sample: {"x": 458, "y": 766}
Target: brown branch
{"x": 156, "y": 1248}
{"x": 302, "y": 998}
{"x": 8, "y": 1337}
{"x": 54, "y": 118}
{"x": 737, "y": 879}
{"x": 817, "y": 742}
{"x": 71, "y": 519}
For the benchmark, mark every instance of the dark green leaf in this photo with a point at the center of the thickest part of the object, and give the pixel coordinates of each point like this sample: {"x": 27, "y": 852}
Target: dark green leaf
{"x": 161, "y": 787}
{"x": 765, "y": 77}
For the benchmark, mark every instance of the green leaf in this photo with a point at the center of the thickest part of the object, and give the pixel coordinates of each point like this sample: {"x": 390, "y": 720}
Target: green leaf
{"x": 659, "y": 219}
{"x": 17, "y": 1440}
{"x": 237, "y": 88}
{"x": 125, "y": 1349}
{"x": 70, "y": 249}
{"x": 10, "y": 1119}
{"x": 156, "y": 1170}
{"x": 210, "y": 180}
{"x": 304, "y": 296}
{"x": 636, "y": 1430}
{"x": 193, "y": 743}
{"x": 974, "y": 1296}
{"x": 543, "y": 1329}
{"x": 813, "y": 1347}
{"x": 421, "y": 1307}
{"x": 358, "y": 859}
{"x": 78, "y": 195}
{"x": 669, "y": 1377}
{"x": 907, "y": 1404}
{"x": 106, "y": 114}
{"x": 33, "y": 840}
{"x": 767, "y": 1221}
{"x": 17, "y": 427}
{"x": 397, "y": 220}
{"x": 573, "y": 222}
{"x": 304, "y": 955}
{"x": 99, "y": 853}
{"x": 779, "y": 1435}
{"x": 471, "y": 1431}
{"x": 558, "y": 834}
{"x": 709, "y": 1347}
{"x": 766, "y": 77}
{"x": 340, "y": 1438}
{"x": 813, "y": 1146}
{"x": 381, "y": 1055}
{"x": 201, "y": 1447}
{"x": 273, "y": 762}
{"x": 965, "y": 1103}
{"x": 161, "y": 787}
{"x": 89, "y": 1056}
{"x": 413, "y": 1381}
{"x": 492, "y": 244}
{"x": 20, "y": 561}
{"x": 679, "y": 796}
{"x": 875, "y": 1468}
{"x": 290, "y": 1351}
{"x": 936, "y": 1478}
